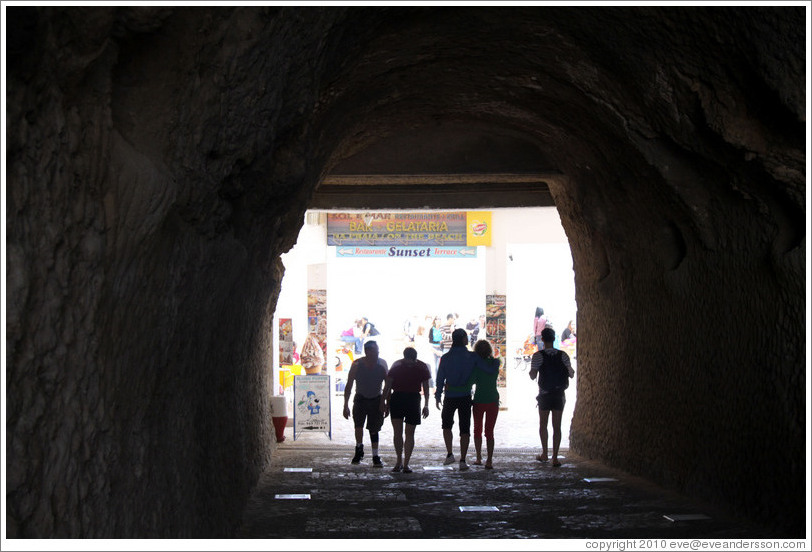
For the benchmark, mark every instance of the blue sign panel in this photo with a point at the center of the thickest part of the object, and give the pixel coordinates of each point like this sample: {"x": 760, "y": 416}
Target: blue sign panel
{"x": 417, "y": 252}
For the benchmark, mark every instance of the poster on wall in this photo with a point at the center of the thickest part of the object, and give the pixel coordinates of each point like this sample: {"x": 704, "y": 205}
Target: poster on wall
{"x": 285, "y": 342}
{"x": 311, "y": 405}
{"x": 495, "y": 330}
{"x": 317, "y": 319}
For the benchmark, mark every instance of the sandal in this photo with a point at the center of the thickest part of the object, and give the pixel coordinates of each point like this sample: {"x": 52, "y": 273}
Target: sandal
{"x": 397, "y": 469}
{"x": 556, "y": 464}
{"x": 488, "y": 466}
{"x": 407, "y": 469}
{"x": 477, "y": 462}
{"x": 541, "y": 457}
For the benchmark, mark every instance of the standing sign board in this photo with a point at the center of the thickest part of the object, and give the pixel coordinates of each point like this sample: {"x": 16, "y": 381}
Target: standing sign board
{"x": 311, "y": 409}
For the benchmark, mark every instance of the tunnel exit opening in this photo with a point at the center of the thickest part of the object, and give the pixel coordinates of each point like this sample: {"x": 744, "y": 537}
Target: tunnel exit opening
{"x": 527, "y": 265}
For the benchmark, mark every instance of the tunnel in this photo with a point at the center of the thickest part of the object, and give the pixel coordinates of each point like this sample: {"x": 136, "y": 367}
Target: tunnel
{"x": 160, "y": 159}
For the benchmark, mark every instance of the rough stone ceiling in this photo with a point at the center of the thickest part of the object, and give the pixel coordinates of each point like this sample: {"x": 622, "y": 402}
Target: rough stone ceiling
{"x": 576, "y": 91}
{"x": 461, "y": 166}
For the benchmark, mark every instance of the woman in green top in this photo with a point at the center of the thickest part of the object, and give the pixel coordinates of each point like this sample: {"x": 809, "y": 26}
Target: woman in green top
{"x": 486, "y": 400}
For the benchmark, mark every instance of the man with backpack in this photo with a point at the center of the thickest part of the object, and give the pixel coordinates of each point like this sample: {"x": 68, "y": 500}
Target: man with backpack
{"x": 554, "y": 370}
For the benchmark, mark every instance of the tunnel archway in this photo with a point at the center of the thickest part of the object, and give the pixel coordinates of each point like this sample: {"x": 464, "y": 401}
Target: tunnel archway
{"x": 325, "y": 288}
{"x": 159, "y": 160}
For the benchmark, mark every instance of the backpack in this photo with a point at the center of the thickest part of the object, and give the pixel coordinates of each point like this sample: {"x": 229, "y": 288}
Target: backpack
{"x": 553, "y": 376}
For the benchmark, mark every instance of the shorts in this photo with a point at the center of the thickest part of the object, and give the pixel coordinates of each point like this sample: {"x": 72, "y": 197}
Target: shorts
{"x": 369, "y": 410}
{"x": 452, "y": 405}
{"x": 551, "y": 401}
{"x": 405, "y": 406}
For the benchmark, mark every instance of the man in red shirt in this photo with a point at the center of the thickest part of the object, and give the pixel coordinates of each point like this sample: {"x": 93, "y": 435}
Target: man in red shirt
{"x": 401, "y": 399}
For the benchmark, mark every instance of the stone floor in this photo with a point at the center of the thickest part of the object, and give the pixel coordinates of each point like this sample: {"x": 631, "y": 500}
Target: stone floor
{"x": 520, "y": 498}
{"x": 313, "y": 492}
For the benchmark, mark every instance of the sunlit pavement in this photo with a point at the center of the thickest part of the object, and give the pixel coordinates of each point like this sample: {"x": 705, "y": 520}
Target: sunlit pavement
{"x": 313, "y": 491}
{"x": 516, "y": 427}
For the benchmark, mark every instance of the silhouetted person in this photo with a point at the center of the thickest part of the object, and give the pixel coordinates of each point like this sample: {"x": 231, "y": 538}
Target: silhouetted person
{"x": 486, "y": 400}
{"x": 454, "y": 377}
{"x": 369, "y": 371}
{"x": 401, "y": 400}
{"x": 554, "y": 370}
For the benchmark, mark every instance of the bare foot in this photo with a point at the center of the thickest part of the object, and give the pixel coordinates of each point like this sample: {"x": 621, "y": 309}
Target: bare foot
{"x": 541, "y": 457}
{"x": 477, "y": 462}
{"x": 556, "y": 463}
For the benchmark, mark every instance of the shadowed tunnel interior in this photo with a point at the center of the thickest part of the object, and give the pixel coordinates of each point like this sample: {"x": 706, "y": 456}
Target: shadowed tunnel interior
{"x": 159, "y": 160}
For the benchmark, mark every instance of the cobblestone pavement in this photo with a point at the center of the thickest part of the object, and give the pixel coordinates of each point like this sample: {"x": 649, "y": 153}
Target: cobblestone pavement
{"x": 520, "y": 498}
{"x": 313, "y": 492}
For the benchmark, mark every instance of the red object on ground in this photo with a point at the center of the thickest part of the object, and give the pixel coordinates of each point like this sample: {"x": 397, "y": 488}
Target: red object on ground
{"x": 279, "y": 423}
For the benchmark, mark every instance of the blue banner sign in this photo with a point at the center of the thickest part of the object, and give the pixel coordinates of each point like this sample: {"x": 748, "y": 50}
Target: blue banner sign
{"x": 418, "y": 252}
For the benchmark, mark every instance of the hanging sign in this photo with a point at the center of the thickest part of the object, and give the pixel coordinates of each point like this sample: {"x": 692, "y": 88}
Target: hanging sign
{"x": 395, "y": 252}
{"x": 478, "y": 228}
{"x": 398, "y": 229}
{"x": 311, "y": 405}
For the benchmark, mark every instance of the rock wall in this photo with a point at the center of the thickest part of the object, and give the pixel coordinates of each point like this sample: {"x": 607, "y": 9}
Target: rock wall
{"x": 150, "y": 194}
{"x": 160, "y": 160}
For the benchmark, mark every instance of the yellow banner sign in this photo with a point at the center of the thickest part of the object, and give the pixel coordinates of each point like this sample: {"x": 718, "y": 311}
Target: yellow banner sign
{"x": 478, "y": 228}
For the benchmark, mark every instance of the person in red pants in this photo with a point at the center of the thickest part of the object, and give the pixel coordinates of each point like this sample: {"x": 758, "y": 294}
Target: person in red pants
{"x": 486, "y": 400}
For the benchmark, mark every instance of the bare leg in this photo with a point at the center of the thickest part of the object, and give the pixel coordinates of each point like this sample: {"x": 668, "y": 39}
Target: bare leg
{"x": 397, "y": 428}
{"x": 491, "y": 415}
{"x": 543, "y": 415}
{"x": 359, "y": 435}
{"x": 409, "y": 445}
{"x": 464, "y": 446}
{"x": 556, "y": 435}
{"x": 478, "y": 413}
{"x": 373, "y": 439}
{"x": 448, "y": 437}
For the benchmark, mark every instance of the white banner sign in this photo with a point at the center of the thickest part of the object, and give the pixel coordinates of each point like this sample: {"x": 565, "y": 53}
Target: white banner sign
{"x": 311, "y": 404}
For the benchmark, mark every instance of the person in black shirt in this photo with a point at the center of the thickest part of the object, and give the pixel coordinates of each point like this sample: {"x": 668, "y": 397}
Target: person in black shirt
{"x": 554, "y": 370}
